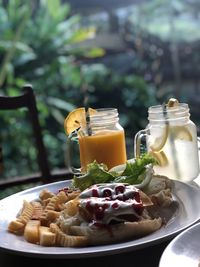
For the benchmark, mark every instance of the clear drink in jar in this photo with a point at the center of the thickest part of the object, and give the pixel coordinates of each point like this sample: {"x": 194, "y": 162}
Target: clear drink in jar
{"x": 172, "y": 140}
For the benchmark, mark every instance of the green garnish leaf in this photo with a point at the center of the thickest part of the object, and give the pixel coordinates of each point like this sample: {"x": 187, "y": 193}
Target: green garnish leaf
{"x": 96, "y": 173}
{"x": 134, "y": 173}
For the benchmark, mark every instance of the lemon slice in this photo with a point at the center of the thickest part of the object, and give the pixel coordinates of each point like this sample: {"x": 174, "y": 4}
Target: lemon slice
{"x": 160, "y": 157}
{"x": 180, "y": 132}
{"x": 75, "y": 119}
{"x": 173, "y": 102}
{"x": 160, "y": 141}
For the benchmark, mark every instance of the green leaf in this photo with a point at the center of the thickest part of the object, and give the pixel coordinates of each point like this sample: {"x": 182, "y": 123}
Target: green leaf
{"x": 133, "y": 172}
{"x": 83, "y": 34}
{"x": 67, "y": 25}
{"x": 53, "y": 6}
{"x": 57, "y": 115}
{"x": 95, "y": 52}
{"x": 96, "y": 173}
{"x": 61, "y": 104}
{"x": 57, "y": 10}
{"x": 12, "y": 91}
{"x": 22, "y": 47}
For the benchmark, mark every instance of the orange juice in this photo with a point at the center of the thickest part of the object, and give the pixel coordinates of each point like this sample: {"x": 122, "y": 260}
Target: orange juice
{"x": 106, "y": 146}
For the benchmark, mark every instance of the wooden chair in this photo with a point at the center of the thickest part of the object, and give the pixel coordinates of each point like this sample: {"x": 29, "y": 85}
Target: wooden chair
{"x": 45, "y": 175}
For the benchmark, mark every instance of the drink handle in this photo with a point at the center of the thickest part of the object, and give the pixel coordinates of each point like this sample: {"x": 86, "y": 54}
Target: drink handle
{"x": 137, "y": 142}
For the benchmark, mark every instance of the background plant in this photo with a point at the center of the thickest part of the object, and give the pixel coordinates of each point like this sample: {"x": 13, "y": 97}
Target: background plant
{"x": 38, "y": 46}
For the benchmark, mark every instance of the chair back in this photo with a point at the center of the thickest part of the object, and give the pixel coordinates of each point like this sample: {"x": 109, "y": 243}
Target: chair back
{"x": 27, "y": 100}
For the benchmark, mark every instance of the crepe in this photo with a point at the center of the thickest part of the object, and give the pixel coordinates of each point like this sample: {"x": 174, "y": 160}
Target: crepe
{"x": 104, "y": 217}
{"x": 117, "y": 232}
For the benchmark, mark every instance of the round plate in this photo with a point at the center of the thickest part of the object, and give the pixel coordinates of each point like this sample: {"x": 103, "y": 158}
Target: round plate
{"x": 187, "y": 214}
{"x": 183, "y": 250}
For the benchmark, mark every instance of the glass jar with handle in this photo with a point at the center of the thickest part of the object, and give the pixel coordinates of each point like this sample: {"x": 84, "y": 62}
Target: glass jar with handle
{"x": 171, "y": 138}
{"x": 105, "y": 140}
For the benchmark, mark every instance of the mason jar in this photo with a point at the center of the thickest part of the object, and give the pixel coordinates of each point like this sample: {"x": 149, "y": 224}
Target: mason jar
{"x": 103, "y": 140}
{"x": 171, "y": 138}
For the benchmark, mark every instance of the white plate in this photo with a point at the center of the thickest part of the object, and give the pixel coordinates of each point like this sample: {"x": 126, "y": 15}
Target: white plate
{"x": 183, "y": 250}
{"x": 188, "y": 213}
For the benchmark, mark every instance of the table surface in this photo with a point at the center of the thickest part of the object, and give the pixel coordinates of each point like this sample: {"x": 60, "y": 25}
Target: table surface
{"x": 148, "y": 256}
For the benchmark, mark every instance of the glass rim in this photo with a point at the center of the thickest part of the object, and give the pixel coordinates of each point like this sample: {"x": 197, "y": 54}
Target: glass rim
{"x": 182, "y": 107}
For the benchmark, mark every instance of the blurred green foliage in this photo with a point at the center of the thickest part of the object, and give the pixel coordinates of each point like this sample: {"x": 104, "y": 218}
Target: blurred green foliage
{"x": 37, "y": 46}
